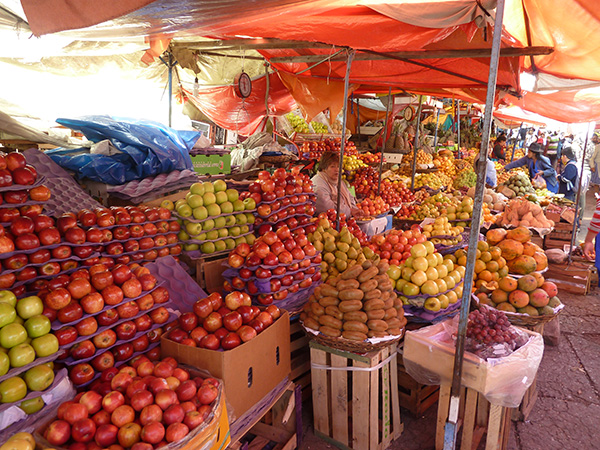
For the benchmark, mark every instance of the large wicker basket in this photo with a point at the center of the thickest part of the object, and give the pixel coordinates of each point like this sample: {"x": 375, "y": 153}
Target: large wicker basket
{"x": 348, "y": 345}
{"x": 527, "y": 321}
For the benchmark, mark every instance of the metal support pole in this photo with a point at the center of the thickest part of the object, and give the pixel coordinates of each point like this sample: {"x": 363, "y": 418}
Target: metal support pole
{"x": 458, "y": 125}
{"x": 385, "y": 139}
{"x": 515, "y": 143}
{"x": 170, "y": 87}
{"x": 343, "y": 143}
{"x": 451, "y": 424}
{"x": 576, "y": 221}
{"x": 358, "y": 120}
{"x": 414, "y": 163}
{"x": 437, "y": 122}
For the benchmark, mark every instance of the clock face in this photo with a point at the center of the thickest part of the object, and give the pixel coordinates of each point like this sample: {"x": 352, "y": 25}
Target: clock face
{"x": 409, "y": 113}
{"x": 243, "y": 85}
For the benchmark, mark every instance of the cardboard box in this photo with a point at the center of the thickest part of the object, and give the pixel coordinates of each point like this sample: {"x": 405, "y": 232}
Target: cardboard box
{"x": 249, "y": 371}
{"x": 212, "y": 164}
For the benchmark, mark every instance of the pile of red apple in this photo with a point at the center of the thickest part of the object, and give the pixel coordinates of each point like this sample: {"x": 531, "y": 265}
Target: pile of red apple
{"x": 345, "y": 222}
{"x": 296, "y": 225}
{"x": 142, "y": 406}
{"x": 131, "y": 233}
{"x": 393, "y": 193}
{"x": 276, "y": 265}
{"x": 223, "y": 323}
{"x": 395, "y": 246}
{"x": 314, "y": 150}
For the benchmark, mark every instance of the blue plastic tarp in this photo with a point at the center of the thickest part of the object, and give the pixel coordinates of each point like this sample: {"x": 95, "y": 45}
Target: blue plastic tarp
{"x": 145, "y": 148}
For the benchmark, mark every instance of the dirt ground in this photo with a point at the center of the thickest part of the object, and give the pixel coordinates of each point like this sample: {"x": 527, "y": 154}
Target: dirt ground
{"x": 566, "y": 415}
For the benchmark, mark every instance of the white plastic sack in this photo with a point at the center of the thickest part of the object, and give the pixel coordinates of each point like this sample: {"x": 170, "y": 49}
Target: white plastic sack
{"x": 429, "y": 359}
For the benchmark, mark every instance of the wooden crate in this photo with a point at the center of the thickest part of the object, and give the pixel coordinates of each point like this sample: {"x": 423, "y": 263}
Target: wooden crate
{"x": 522, "y": 412}
{"x": 355, "y": 408}
{"x": 415, "y": 397}
{"x": 575, "y": 277}
{"x": 300, "y": 357}
{"x": 477, "y": 417}
{"x": 208, "y": 271}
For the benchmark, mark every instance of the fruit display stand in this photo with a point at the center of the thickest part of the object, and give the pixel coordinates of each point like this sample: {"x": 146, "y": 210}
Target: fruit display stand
{"x": 355, "y": 397}
{"x": 491, "y": 390}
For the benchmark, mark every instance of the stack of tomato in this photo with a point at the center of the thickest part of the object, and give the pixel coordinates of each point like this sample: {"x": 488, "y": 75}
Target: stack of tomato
{"x": 276, "y": 265}
{"x": 129, "y": 234}
{"x": 223, "y": 323}
{"x": 103, "y": 317}
{"x": 143, "y": 406}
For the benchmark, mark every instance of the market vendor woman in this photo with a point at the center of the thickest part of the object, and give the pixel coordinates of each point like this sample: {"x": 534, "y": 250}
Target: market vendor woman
{"x": 538, "y": 165}
{"x": 326, "y": 187}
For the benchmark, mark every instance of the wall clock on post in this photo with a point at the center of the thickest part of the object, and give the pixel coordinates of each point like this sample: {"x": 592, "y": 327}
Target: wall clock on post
{"x": 242, "y": 85}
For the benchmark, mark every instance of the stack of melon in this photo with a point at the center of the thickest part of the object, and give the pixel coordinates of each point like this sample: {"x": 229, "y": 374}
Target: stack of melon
{"x": 358, "y": 304}
{"x": 521, "y": 255}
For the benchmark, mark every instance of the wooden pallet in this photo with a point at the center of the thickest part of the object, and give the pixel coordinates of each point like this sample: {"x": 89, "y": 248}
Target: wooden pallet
{"x": 355, "y": 408}
{"x": 477, "y": 417}
{"x": 300, "y": 358}
{"x": 207, "y": 270}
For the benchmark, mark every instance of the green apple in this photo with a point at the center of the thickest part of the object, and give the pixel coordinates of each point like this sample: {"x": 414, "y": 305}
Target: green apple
{"x": 226, "y": 207}
{"x": 220, "y": 222}
{"x": 195, "y": 200}
{"x": 220, "y": 246}
{"x": 39, "y": 378}
{"x": 250, "y": 218}
{"x": 244, "y": 229}
{"x": 208, "y": 187}
{"x": 208, "y": 225}
{"x": 184, "y": 210}
{"x": 208, "y": 247}
{"x": 190, "y": 247}
{"x": 4, "y": 363}
{"x": 212, "y": 235}
{"x": 8, "y": 314}
{"x": 50, "y": 364}
{"x": 234, "y": 231}
{"x": 200, "y": 213}
{"x": 183, "y": 236}
{"x": 3, "y": 350}
{"x": 241, "y": 219}
{"x": 223, "y": 232}
{"x": 213, "y": 210}
{"x": 229, "y": 221}
{"x": 249, "y": 204}
{"x": 37, "y": 326}
{"x": 250, "y": 239}
{"x": 23, "y": 354}
{"x": 30, "y": 306}
{"x": 201, "y": 237}
{"x": 232, "y": 195}
{"x": 19, "y": 320}
{"x": 238, "y": 205}
{"x": 12, "y": 390}
{"x": 180, "y": 202}
{"x": 220, "y": 186}
{"x": 45, "y": 345}
{"x": 240, "y": 240}
{"x": 193, "y": 228}
{"x": 32, "y": 405}
{"x": 8, "y": 297}
{"x": 168, "y": 204}
{"x": 12, "y": 335}
{"x": 220, "y": 197}
{"x": 197, "y": 188}
{"x": 209, "y": 198}
{"x": 230, "y": 244}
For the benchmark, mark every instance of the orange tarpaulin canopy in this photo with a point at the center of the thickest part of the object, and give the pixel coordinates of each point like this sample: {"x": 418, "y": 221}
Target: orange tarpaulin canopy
{"x": 565, "y": 106}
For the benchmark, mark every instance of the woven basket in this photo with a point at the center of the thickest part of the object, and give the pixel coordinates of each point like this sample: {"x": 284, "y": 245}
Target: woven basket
{"x": 525, "y": 320}
{"x": 348, "y": 345}
{"x": 274, "y": 159}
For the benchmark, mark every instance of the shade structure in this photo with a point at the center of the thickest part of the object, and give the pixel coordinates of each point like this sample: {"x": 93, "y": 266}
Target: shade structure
{"x": 513, "y": 116}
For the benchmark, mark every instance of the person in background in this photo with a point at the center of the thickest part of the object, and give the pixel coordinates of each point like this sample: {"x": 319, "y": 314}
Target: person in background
{"x": 326, "y": 187}
{"x": 553, "y": 148}
{"x": 538, "y": 165}
{"x": 531, "y": 137}
{"x": 569, "y": 177}
{"x": 590, "y": 249}
{"x": 594, "y": 160}
{"x": 499, "y": 148}
{"x": 491, "y": 178}
{"x": 522, "y": 136}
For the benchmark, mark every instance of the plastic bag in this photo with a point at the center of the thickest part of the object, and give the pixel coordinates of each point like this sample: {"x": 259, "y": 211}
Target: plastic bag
{"x": 429, "y": 359}
{"x": 144, "y": 149}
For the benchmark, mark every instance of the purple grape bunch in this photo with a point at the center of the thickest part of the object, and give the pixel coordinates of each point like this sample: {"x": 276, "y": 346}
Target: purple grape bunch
{"x": 487, "y": 327}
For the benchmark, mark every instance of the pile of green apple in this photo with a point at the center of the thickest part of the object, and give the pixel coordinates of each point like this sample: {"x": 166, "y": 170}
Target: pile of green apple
{"x": 24, "y": 332}
{"x": 212, "y": 213}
